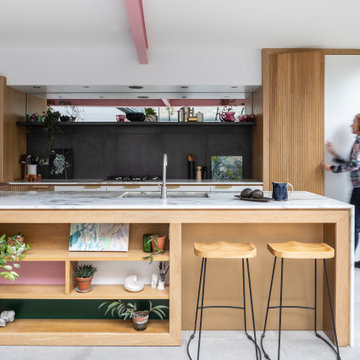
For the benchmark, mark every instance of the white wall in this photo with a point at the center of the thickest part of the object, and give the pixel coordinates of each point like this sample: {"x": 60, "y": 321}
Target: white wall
{"x": 117, "y": 66}
{"x": 342, "y": 102}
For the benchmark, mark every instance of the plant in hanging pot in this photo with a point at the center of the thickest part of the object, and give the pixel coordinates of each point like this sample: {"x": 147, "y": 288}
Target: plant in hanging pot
{"x": 83, "y": 276}
{"x": 140, "y": 318}
{"x": 150, "y": 115}
{"x": 51, "y": 126}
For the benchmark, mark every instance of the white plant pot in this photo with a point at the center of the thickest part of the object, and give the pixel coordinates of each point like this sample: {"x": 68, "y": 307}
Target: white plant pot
{"x": 32, "y": 169}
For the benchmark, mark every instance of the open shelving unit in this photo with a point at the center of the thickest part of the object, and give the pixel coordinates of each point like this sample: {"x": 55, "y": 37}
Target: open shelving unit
{"x": 49, "y": 243}
{"x": 141, "y": 123}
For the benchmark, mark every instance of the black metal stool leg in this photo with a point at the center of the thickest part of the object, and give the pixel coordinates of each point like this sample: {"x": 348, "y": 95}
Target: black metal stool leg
{"x": 267, "y": 311}
{"x": 197, "y": 309}
{"x": 257, "y": 349}
{"x": 280, "y": 308}
{"x": 202, "y": 308}
{"x": 244, "y": 296}
{"x": 315, "y": 299}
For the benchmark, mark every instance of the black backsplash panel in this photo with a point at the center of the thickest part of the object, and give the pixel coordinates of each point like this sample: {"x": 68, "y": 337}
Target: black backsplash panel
{"x": 100, "y": 151}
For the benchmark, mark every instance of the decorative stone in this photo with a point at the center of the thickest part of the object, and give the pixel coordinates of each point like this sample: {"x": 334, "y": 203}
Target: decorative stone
{"x": 2, "y": 323}
{"x": 133, "y": 284}
{"x": 8, "y": 316}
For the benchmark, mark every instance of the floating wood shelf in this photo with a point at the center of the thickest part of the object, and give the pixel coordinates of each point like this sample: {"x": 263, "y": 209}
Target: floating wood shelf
{"x": 113, "y": 123}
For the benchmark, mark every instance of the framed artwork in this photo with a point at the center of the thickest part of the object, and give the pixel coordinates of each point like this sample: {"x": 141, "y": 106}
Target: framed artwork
{"x": 61, "y": 164}
{"x": 227, "y": 167}
{"x": 99, "y": 237}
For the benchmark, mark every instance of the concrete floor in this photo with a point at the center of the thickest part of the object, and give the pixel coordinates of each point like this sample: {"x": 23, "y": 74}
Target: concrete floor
{"x": 296, "y": 345}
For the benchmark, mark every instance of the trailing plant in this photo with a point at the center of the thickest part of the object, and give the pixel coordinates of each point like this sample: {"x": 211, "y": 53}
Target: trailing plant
{"x": 85, "y": 271}
{"x": 12, "y": 249}
{"x": 129, "y": 310}
{"x": 51, "y": 126}
{"x": 149, "y": 111}
{"x": 153, "y": 238}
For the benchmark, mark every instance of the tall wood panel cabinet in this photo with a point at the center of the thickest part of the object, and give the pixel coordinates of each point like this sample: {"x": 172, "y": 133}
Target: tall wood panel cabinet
{"x": 293, "y": 86}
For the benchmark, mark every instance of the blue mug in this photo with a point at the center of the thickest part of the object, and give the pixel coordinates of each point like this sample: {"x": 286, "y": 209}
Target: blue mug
{"x": 280, "y": 191}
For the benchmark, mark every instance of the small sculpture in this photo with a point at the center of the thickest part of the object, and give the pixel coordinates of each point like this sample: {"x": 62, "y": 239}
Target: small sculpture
{"x": 163, "y": 271}
{"x": 6, "y": 316}
{"x": 132, "y": 283}
{"x": 154, "y": 281}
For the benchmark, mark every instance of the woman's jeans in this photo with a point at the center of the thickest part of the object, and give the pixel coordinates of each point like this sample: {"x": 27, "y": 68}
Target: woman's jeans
{"x": 355, "y": 200}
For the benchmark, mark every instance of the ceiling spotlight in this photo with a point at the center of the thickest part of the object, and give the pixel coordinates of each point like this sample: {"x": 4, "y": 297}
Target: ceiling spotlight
{"x": 234, "y": 87}
{"x": 184, "y": 87}
{"x": 101, "y": 97}
{"x": 226, "y": 96}
{"x": 86, "y": 87}
{"x": 36, "y": 87}
{"x": 60, "y": 97}
{"x": 184, "y": 97}
{"x": 136, "y": 87}
{"x": 142, "y": 97}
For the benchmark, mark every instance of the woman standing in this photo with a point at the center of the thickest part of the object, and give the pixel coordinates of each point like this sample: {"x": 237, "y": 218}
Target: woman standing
{"x": 352, "y": 165}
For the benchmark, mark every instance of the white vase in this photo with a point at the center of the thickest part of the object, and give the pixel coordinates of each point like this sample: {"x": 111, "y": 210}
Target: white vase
{"x": 32, "y": 169}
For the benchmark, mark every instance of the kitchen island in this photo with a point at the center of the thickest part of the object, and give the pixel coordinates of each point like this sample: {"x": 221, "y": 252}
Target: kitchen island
{"x": 45, "y": 217}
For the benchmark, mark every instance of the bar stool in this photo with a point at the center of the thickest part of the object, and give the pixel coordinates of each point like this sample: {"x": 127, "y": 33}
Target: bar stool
{"x": 223, "y": 250}
{"x": 298, "y": 250}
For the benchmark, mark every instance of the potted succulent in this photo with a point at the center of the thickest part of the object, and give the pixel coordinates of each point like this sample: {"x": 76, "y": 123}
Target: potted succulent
{"x": 83, "y": 276}
{"x": 140, "y": 318}
{"x": 157, "y": 243}
{"x": 150, "y": 115}
{"x": 12, "y": 249}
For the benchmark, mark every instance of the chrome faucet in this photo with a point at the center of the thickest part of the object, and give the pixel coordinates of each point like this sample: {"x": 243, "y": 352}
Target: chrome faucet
{"x": 163, "y": 185}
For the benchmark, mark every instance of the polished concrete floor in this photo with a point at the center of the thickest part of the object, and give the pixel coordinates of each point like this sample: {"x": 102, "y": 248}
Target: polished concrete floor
{"x": 217, "y": 345}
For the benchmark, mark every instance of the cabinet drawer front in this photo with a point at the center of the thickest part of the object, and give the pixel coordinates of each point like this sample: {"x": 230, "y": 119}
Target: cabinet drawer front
{"x": 80, "y": 188}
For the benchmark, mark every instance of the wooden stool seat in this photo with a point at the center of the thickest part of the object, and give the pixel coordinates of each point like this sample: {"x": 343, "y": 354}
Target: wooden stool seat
{"x": 299, "y": 250}
{"x": 225, "y": 250}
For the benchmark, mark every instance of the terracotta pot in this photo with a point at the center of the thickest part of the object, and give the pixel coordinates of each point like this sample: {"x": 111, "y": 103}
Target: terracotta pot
{"x": 83, "y": 284}
{"x": 140, "y": 320}
{"x": 161, "y": 243}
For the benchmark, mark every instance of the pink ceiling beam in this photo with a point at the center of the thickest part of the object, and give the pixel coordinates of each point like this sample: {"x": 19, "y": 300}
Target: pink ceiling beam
{"x": 135, "y": 13}
{"x": 166, "y": 102}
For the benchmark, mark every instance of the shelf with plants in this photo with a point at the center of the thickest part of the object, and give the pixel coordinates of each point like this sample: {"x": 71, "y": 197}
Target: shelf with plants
{"x": 49, "y": 245}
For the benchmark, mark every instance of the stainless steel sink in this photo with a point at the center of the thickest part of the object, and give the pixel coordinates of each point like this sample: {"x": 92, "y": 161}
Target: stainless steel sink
{"x": 156, "y": 195}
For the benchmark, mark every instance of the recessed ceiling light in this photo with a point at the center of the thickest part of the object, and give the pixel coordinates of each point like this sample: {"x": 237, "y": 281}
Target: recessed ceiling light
{"x": 36, "y": 87}
{"x": 135, "y": 87}
{"x": 184, "y": 97}
{"x": 184, "y": 87}
{"x": 226, "y": 96}
{"x": 86, "y": 87}
{"x": 142, "y": 97}
{"x": 234, "y": 87}
{"x": 60, "y": 97}
{"x": 101, "y": 97}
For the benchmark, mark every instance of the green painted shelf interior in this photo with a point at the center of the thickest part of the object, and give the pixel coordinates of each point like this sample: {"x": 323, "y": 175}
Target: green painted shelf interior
{"x": 67, "y": 309}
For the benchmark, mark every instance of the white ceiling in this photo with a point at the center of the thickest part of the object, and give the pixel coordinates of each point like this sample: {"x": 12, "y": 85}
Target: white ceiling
{"x": 88, "y": 42}
{"x": 178, "y": 24}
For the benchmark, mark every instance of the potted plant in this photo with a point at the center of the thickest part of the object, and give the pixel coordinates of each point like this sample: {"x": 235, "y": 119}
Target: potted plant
{"x": 140, "y": 318}
{"x": 12, "y": 249}
{"x": 51, "y": 126}
{"x": 83, "y": 276}
{"x": 150, "y": 115}
{"x": 157, "y": 243}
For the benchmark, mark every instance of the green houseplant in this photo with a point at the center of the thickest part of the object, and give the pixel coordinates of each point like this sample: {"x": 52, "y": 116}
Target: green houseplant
{"x": 150, "y": 115}
{"x": 157, "y": 243}
{"x": 83, "y": 276}
{"x": 140, "y": 318}
{"x": 12, "y": 249}
{"x": 51, "y": 126}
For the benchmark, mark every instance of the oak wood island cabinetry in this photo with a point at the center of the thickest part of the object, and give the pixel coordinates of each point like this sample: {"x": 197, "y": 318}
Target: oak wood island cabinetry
{"x": 45, "y": 217}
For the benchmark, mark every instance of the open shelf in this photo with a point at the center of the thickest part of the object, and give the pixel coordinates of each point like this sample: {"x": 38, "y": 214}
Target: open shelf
{"x": 127, "y": 124}
{"x": 63, "y": 255}
{"x": 99, "y": 292}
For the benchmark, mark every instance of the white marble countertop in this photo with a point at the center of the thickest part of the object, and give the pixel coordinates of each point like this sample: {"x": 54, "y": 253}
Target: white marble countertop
{"x": 149, "y": 182}
{"x": 113, "y": 200}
